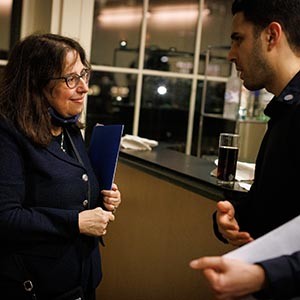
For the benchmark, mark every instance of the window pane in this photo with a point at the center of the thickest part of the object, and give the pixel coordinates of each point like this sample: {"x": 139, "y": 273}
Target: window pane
{"x": 217, "y": 62}
{"x": 214, "y": 101}
{"x": 212, "y": 126}
{"x": 9, "y": 25}
{"x": 210, "y": 136}
{"x": 110, "y": 100}
{"x": 216, "y": 26}
{"x": 5, "y": 16}
{"x": 164, "y": 109}
{"x": 116, "y": 32}
{"x": 171, "y": 31}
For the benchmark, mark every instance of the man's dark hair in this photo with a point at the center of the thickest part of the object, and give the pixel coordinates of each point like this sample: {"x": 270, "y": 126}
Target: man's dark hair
{"x": 32, "y": 63}
{"x": 262, "y": 12}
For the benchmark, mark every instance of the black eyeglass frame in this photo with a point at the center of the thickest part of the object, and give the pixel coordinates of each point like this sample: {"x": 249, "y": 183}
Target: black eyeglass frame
{"x": 73, "y": 80}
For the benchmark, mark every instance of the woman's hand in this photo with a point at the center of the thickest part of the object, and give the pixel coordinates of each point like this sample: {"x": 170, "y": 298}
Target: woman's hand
{"x": 93, "y": 222}
{"x": 111, "y": 198}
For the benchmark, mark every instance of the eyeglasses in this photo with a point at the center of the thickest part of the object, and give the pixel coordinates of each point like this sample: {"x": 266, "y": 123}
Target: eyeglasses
{"x": 73, "y": 80}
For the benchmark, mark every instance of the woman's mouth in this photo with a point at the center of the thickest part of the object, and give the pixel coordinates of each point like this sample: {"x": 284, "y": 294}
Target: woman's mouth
{"x": 79, "y": 100}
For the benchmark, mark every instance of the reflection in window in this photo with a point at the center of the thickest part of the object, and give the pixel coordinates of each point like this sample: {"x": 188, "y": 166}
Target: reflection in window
{"x": 116, "y": 32}
{"x": 5, "y": 21}
{"x": 210, "y": 136}
{"x": 166, "y": 92}
{"x": 217, "y": 62}
{"x": 171, "y": 31}
{"x": 110, "y": 100}
{"x": 216, "y": 24}
{"x": 216, "y": 34}
{"x": 212, "y": 127}
{"x": 215, "y": 98}
{"x": 164, "y": 109}
{"x": 169, "y": 36}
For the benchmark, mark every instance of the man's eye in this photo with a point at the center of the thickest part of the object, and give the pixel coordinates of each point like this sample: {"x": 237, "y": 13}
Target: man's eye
{"x": 238, "y": 40}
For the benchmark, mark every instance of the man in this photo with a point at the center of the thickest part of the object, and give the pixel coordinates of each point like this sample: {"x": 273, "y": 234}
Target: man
{"x": 266, "y": 51}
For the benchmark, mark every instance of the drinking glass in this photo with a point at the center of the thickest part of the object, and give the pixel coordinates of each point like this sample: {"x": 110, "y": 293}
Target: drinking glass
{"x": 227, "y": 158}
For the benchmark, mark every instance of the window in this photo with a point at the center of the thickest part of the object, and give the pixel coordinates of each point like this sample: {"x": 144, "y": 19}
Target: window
{"x": 10, "y": 17}
{"x": 149, "y": 58}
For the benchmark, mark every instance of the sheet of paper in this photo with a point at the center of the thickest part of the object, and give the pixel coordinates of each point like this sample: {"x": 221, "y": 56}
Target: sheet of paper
{"x": 283, "y": 240}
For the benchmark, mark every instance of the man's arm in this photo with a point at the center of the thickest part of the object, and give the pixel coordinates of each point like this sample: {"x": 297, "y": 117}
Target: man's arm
{"x": 277, "y": 278}
{"x": 283, "y": 276}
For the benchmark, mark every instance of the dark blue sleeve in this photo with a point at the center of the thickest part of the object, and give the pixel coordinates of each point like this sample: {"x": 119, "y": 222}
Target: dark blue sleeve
{"x": 283, "y": 277}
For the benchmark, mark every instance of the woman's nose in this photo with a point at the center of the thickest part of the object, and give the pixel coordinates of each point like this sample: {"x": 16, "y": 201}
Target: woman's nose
{"x": 83, "y": 85}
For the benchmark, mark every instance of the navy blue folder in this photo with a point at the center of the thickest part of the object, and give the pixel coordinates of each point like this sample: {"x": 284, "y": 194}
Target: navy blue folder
{"x": 104, "y": 152}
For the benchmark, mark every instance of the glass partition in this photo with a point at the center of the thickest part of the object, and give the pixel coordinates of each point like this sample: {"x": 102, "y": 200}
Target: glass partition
{"x": 110, "y": 101}
{"x": 116, "y": 32}
{"x": 162, "y": 87}
{"x": 165, "y": 108}
{"x": 216, "y": 27}
{"x": 171, "y": 33}
{"x": 10, "y": 27}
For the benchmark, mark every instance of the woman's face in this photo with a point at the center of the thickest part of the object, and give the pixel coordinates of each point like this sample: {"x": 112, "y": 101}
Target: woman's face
{"x": 68, "y": 102}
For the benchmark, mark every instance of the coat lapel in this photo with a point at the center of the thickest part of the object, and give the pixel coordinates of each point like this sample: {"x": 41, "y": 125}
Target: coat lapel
{"x": 54, "y": 149}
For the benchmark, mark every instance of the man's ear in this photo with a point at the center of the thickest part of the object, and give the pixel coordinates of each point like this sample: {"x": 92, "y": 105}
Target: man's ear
{"x": 273, "y": 33}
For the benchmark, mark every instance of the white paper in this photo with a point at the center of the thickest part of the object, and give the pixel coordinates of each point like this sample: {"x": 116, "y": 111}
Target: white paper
{"x": 280, "y": 241}
{"x": 244, "y": 170}
{"x": 283, "y": 240}
{"x": 245, "y": 186}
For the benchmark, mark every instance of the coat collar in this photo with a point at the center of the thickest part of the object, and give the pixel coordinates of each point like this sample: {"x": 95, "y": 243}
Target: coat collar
{"x": 54, "y": 149}
{"x": 289, "y": 97}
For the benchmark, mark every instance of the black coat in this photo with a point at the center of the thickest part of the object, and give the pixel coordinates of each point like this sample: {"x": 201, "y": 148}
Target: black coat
{"x": 274, "y": 196}
{"x": 42, "y": 190}
{"x": 272, "y": 199}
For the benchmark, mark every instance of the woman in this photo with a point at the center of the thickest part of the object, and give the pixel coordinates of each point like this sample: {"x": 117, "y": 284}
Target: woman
{"x": 50, "y": 215}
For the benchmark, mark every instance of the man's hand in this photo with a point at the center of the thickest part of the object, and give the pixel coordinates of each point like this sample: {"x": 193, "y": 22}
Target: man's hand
{"x": 230, "y": 278}
{"x": 228, "y": 225}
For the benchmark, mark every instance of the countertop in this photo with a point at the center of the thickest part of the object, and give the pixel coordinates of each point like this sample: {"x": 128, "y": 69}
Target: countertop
{"x": 188, "y": 171}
